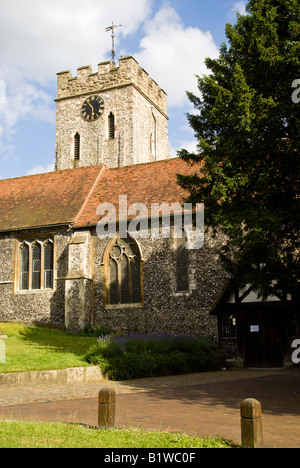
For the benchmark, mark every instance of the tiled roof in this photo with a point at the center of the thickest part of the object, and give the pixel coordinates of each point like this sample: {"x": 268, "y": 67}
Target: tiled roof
{"x": 45, "y": 199}
{"x": 72, "y": 196}
{"x": 147, "y": 183}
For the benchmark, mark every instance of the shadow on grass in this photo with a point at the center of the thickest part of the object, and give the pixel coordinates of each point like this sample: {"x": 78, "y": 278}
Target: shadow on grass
{"x": 56, "y": 340}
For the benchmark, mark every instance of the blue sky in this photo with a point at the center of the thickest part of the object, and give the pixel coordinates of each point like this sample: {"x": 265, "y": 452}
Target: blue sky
{"x": 38, "y": 38}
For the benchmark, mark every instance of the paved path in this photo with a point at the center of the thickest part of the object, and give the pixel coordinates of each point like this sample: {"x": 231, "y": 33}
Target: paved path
{"x": 206, "y": 404}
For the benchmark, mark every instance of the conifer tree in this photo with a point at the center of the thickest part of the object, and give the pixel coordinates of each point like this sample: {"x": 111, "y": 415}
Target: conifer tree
{"x": 247, "y": 169}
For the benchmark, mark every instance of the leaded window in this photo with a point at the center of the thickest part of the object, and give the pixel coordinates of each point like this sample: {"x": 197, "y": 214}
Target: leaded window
{"x": 48, "y": 265}
{"x": 36, "y": 265}
{"x": 229, "y": 326}
{"x": 24, "y": 267}
{"x": 123, "y": 272}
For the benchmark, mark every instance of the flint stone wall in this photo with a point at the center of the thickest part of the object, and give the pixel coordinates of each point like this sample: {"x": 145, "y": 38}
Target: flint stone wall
{"x": 78, "y": 297}
{"x": 31, "y": 306}
{"x": 166, "y": 310}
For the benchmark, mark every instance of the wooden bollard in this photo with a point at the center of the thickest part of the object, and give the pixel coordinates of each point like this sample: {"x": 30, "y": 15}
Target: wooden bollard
{"x": 251, "y": 423}
{"x": 106, "y": 408}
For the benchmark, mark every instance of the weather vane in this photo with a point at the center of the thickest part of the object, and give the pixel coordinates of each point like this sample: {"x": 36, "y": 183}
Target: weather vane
{"x": 112, "y": 29}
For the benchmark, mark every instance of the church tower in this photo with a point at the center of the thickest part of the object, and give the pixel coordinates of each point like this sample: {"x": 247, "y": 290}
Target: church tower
{"x": 117, "y": 117}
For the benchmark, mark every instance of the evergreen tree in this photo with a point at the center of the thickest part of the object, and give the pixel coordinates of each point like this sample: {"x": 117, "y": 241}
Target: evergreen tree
{"x": 247, "y": 168}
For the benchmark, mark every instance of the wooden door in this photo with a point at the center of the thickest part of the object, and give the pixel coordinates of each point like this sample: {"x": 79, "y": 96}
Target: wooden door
{"x": 264, "y": 336}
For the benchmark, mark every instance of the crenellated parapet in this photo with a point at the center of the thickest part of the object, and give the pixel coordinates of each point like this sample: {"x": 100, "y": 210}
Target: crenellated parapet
{"x": 110, "y": 77}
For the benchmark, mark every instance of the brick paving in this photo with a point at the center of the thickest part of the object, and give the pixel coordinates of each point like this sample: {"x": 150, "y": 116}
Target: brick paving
{"x": 206, "y": 404}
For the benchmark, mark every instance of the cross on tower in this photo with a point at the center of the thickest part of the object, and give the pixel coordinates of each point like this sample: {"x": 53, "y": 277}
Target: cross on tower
{"x": 112, "y": 29}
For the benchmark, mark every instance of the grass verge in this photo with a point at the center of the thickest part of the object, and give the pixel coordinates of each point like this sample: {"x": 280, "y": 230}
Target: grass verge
{"x": 39, "y": 348}
{"x": 60, "y": 435}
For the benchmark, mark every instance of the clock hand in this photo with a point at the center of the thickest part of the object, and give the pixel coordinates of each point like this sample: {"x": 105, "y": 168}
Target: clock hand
{"x": 91, "y": 108}
{"x": 93, "y": 112}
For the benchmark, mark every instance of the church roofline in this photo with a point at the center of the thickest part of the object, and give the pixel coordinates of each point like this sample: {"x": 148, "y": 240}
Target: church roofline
{"x": 44, "y": 200}
{"x": 146, "y": 183}
{"x": 71, "y": 197}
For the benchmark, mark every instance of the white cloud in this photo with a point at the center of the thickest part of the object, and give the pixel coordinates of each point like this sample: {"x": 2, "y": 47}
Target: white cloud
{"x": 2, "y": 92}
{"x": 40, "y": 169}
{"x": 189, "y": 145}
{"x": 239, "y": 7}
{"x": 173, "y": 54}
{"x": 39, "y": 38}
{"x": 28, "y": 101}
{"x": 44, "y": 37}
{"x": 7, "y": 151}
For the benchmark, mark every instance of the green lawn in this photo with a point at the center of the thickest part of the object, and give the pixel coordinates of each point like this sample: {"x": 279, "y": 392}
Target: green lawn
{"x": 61, "y": 435}
{"x": 38, "y": 348}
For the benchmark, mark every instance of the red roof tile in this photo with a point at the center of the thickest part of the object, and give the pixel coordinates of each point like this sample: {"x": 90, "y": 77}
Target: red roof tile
{"x": 143, "y": 183}
{"x": 45, "y": 199}
{"x": 73, "y": 196}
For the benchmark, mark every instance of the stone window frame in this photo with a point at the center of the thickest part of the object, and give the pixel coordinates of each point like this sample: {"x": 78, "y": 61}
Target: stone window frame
{"x": 106, "y": 269}
{"x": 77, "y": 146}
{"x": 74, "y": 161}
{"x": 111, "y": 122}
{"x": 31, "y": 242}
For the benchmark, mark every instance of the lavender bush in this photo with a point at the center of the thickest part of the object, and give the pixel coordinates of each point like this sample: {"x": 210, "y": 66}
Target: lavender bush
{"x": 138, "y": 355}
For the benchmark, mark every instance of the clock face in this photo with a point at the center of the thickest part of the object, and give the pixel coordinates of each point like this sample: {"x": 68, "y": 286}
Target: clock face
{"x": 92, "y": 108}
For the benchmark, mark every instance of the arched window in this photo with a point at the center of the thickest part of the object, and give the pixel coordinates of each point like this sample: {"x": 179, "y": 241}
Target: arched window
{"x": 182, "y": 262}
{"x": 111, "y": 126}
{"x": 36, "y": 265}
{"x": 77, "y": 147}
{"x": 48, "y": 264}
{"x": 123, "y": 272}
{"x": 24, "y": 267}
